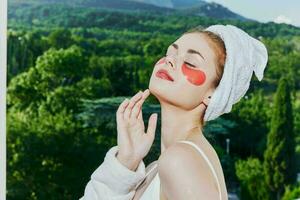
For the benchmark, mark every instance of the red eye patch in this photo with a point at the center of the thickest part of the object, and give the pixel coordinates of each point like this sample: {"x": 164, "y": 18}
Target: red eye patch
{"x": 196, "y": 77}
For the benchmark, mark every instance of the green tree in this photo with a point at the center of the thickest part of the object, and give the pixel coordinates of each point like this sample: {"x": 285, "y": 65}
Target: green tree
{"x": 250, "y": 173}
{"x": 155, "y": 47}
{"x": 249, "y": 136}
{"x": 60, "y": 38}
{"x": 291, "y": 192}
{"x": 279, "y": 156}
{"x": 47, "y": 145}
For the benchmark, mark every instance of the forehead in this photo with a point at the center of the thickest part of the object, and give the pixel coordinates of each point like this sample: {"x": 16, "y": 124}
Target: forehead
{"x": 196, "y": 41}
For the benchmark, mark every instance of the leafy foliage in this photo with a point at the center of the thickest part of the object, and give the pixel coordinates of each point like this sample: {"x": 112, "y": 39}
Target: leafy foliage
{"x": 250, "y": 172}
{"x": 69, "y": 67}
{"x": 280, "y": 153}
{"x": 291, "y": 192}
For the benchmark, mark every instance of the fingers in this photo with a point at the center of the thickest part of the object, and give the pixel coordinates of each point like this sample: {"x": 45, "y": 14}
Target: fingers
{"x": 132, "y": 102}
{"x": 152, "y": 126}
{"x": 140, "y": 115}
{"x": 121, "y": 109}
{"x": 137, "y": 108}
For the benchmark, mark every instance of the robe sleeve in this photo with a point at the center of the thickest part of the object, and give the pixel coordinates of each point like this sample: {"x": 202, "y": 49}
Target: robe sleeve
{"x": 112, "y": 180}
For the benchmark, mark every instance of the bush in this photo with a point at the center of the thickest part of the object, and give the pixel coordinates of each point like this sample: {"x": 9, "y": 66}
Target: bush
{"x": 291, "y": 192}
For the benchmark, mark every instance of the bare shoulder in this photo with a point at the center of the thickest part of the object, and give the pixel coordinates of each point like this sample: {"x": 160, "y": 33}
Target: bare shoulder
{"x": 186, "y": 175}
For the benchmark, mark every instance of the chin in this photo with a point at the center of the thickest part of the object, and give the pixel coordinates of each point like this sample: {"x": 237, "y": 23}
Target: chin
{"x": 155, "y": 89}
{"x": 165, "y": 94}
{"x": 160, "y": 90}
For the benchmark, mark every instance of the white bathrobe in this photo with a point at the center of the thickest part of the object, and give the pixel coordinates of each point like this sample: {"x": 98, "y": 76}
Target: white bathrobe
{"x": 112, "y": 180}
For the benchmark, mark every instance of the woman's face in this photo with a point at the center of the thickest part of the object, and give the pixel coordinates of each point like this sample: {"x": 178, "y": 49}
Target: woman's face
{"x": 190, "y": 62}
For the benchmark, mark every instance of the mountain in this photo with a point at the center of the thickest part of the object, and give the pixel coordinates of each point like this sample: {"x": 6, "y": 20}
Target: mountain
{"x": 125, "y": 5}
{"x": 185, "y": 7}
{"x": 197, "y": 7}
{"x": 172, "y": 3}
{"x": 213, "y": 10}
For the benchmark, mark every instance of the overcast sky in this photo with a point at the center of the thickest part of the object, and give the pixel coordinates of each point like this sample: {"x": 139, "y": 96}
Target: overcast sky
{"x": 287, "y": 11}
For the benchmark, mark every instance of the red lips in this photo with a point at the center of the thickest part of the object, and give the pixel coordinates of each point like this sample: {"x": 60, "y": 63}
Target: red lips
{"x": 162, "y": 73}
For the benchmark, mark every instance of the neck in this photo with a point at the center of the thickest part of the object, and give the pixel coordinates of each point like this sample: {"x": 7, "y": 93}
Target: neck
{"x": 178, "y": 124}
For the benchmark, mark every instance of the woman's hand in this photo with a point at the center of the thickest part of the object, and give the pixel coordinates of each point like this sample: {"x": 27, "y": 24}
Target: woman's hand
{"x": 134, "y": 144}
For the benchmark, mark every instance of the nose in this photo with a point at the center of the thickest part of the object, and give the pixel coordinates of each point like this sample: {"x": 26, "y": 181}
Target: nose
{"x": 170, "y": 62}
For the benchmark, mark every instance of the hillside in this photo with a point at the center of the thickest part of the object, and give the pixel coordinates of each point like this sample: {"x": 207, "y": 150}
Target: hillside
{"x": 189, "y": 7}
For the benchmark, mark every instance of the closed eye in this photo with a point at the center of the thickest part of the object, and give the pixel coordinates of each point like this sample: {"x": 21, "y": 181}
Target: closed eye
{"x": 186, "y": 63}
{"x": 190, "y": 64}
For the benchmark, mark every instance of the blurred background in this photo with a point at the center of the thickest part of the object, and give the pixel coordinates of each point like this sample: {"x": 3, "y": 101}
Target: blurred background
{"x": 71, "y": 63}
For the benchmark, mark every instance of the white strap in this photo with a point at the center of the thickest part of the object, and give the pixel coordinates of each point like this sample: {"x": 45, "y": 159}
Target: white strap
{"x": 209, "y": 163}
{"x": 146, "y": 175}
{"x": 151, "y": 169}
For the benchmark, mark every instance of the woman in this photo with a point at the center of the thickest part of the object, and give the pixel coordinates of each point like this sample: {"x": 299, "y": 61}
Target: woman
{"x": 202, "y": 75}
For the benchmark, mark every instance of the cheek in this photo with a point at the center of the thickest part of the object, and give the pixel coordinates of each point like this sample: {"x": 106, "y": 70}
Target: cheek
{"x": 196, "y": 77}
{"x": 161, "y": 61}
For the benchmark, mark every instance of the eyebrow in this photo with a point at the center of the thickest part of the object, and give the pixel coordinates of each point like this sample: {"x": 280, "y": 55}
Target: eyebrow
{"x": 192, "y": 51}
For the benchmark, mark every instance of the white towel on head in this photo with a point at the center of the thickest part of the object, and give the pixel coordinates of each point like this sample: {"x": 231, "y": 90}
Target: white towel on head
{"x": 244, "y": 54}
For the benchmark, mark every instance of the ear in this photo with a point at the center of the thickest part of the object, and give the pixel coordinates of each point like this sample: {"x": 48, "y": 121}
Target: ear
{"x": 205, "y": 101}
{"x": 208, "y": 96}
